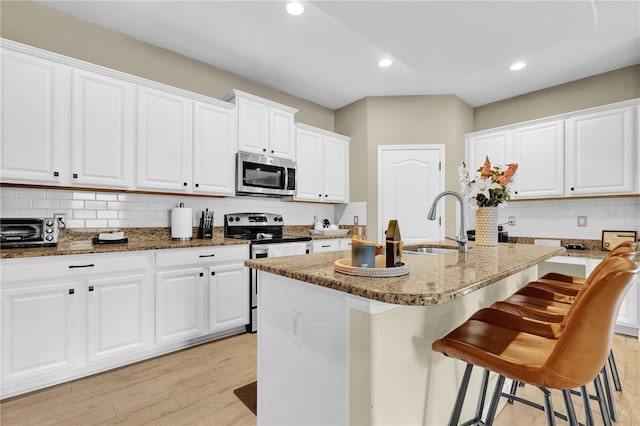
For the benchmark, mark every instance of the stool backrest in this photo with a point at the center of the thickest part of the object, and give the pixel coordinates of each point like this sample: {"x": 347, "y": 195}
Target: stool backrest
{"x": 624, "y": 250}
{"x": 585, "y": 341}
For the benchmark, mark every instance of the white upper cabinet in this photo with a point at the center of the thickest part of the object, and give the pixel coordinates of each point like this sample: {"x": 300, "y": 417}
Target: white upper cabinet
{"x": 310, "y": 180}
{"x": 35, "y": 119}
{"x": 323, "y": 165}
{"x": 103, "y": 130}
{"x": 164, "y": 140}
{"x": 592, "y": 152}
{"x": 498, "y": 146}
{"x": 264, "y": 127}
{"x": 600, "y": 150}
{"x": 539, "y": 152}
{"x": 214, "y": 136}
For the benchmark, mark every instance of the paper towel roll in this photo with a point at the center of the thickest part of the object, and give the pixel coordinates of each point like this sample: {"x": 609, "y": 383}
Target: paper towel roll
{"x": 181, "y": 223}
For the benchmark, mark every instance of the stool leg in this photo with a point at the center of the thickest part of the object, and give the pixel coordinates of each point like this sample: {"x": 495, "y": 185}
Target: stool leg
{"x": 571, "y": 412}
{"x": 614, "y": 372}
{"x": 493, "y": 406}
{"x": 587, "y": 406}
{"x": 514, "y": 388}
{"x": 457, "y": 408}
{"x": 483, "y": 394}
{"x": 607, "y": 391}
{"x": 603, "y": 405}
{"x": 548, "y": 407}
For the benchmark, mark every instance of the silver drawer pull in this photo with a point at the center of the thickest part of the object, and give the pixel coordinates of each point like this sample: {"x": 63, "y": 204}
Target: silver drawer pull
{"x": 207, "y": 255}
{"x": 90, "y": 265}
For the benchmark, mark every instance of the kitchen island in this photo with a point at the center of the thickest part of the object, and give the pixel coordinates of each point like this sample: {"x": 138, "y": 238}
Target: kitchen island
{"x": 340, "y": 349}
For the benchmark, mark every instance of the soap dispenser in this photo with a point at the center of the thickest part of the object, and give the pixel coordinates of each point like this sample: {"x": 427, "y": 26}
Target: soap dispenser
{"x": 317, "y": 225}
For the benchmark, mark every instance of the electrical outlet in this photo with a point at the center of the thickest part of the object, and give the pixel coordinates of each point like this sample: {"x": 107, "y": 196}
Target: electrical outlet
{"x": 582, "y": 221}
{"x": 512, "y": 221}
{"x": 61, "y": 218}
{"x": 297, "y": 323}
{"x": 355, "y": 220}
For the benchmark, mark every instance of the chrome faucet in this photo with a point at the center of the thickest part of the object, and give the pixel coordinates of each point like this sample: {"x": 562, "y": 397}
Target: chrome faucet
{"x": 462, "y": 238}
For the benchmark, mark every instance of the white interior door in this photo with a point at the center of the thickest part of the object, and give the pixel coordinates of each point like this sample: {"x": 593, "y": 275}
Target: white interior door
{"x": 409, "y": 178}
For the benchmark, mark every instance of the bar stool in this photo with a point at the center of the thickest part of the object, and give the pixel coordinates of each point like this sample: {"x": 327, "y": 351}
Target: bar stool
{"x": 545, "y": 305}
{"x": 546, "y": 295}
{"x": 569, "y": 361}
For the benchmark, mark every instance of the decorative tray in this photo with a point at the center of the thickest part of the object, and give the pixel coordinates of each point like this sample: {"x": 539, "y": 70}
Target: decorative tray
{"x": 329, "y": 231}
{"x": 344, "y": 267}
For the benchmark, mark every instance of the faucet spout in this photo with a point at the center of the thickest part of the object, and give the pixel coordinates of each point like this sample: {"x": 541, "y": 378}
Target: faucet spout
{"x": 462, "y": 238}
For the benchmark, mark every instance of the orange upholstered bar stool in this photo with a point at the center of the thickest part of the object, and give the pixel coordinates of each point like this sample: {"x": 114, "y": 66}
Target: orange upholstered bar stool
{"x": 562, "y": 356}
{"x": 545, "y": 305}
{"x": 554, "y": 294}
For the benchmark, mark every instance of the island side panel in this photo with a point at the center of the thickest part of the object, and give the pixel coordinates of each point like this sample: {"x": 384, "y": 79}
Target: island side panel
{"x": 302, "y": 353}
{"x": 395, "y": 377}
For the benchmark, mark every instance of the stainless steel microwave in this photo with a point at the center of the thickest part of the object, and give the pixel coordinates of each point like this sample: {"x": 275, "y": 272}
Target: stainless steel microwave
{"x": 265, "y": 176}
{"x": 28, "y": 232}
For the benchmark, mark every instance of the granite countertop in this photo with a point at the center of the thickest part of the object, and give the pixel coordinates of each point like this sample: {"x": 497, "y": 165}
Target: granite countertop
{"x": 432, "y": 279}
{"x": 79, "y": 241}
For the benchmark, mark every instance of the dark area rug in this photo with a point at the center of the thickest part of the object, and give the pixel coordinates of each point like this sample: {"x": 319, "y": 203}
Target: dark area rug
{"x": 248, "y": 394}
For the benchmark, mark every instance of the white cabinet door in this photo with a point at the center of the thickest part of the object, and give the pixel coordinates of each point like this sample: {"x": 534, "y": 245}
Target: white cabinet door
{"x": 539, "y": 151}
{"x": 103, "y": 131}
{"x": 253, "y": 126}
{"x": 119, "y": 316}
{"x": 281, "y": 134}
{"x": 498, "y": 146}
{"x": 310, "y": 181}
{"x": 345, "y": 244}
{"x": 179, "y": 305}
{"x": 213, "y": 150}
{"x": 40, "y": 330}
{"x": 228, "y": 297}
{"x": 600, "y": 153}
{"x": 336, "y": 170}
{"x": 35, "y": 119}
{"x": 164, "y": 140}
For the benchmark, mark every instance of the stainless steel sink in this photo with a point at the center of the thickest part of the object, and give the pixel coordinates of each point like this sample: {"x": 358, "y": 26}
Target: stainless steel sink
{"x": 428, "y": 250}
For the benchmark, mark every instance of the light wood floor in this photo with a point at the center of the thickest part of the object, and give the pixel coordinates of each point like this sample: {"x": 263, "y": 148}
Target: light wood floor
{"x": 195, "y": 386}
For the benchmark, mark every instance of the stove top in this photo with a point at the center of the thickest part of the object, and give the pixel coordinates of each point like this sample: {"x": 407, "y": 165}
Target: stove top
{"x": 259, "y": 228}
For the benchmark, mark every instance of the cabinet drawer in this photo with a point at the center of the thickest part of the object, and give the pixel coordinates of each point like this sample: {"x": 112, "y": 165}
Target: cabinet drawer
{"x": 29, "y": 269}
{"x": 321, "y": 246}
{"x": 201, "y": 255}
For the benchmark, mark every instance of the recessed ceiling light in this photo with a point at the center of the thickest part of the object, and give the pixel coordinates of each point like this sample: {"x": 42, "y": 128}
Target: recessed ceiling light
{"x": 517, "y": 66}
{"x": 295, "y": 8}
{"x": 385, "y": 62}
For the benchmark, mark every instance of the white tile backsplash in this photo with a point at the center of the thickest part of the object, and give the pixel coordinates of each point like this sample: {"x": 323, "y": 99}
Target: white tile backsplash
{"x": 559, "y": 218}
{"x": 87, "y": 209}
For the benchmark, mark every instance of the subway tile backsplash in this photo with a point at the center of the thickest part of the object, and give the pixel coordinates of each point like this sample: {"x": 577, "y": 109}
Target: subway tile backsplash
{"x": 559, "y": 218}
{"x": 86, "y": 209}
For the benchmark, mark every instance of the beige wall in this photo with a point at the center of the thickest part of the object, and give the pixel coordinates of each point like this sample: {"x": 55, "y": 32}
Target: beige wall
{"x": 30, "y": 23}
{"x": 402, "y": 120}
{"x": 601, "y": 89}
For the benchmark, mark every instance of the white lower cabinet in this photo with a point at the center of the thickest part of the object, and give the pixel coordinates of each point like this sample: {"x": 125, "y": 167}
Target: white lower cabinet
{"x": 119, "y": 311}
{"x": 179, "y": 305}
{"x": 228, "y": 297}
{"x": 40, "y": 329}
{"x": 201, "y": 291}
{"x": 326, "y": 245}
{"x": 65, "y": 317}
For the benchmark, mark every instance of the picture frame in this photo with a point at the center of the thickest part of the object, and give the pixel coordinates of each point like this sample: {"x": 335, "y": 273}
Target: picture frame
{"x": 611, "y": 239}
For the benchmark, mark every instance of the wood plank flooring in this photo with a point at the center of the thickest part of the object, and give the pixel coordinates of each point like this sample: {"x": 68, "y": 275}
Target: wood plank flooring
{"x": 195, "y": 386}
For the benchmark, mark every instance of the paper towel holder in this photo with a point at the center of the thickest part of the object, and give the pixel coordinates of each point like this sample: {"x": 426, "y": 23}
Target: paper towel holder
{"x": 181, "y": 223}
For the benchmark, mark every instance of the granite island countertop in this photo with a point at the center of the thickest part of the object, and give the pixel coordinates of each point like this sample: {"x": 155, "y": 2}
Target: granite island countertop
{"x": 433, "y": 279}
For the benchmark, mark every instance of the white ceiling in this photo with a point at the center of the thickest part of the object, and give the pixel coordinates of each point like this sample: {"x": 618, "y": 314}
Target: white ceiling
{"x": 329, "y": 54}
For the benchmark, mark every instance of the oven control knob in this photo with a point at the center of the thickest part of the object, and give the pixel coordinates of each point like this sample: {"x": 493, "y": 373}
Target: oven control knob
{"x": 49, "y": 230}
{"x": 237, "y": 218}
{"x": 279, "y": 218}
{"x": 49, "y": 222}
{"x": 49, "y": 237}
{"x": 230, "y": 219}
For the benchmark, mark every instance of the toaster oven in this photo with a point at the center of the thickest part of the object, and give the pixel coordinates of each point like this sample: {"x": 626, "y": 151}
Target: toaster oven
{"x": 28, "y": 232}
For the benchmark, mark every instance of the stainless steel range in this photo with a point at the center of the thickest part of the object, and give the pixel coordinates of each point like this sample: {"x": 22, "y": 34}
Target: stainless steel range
{"x": 264, "y": 230}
